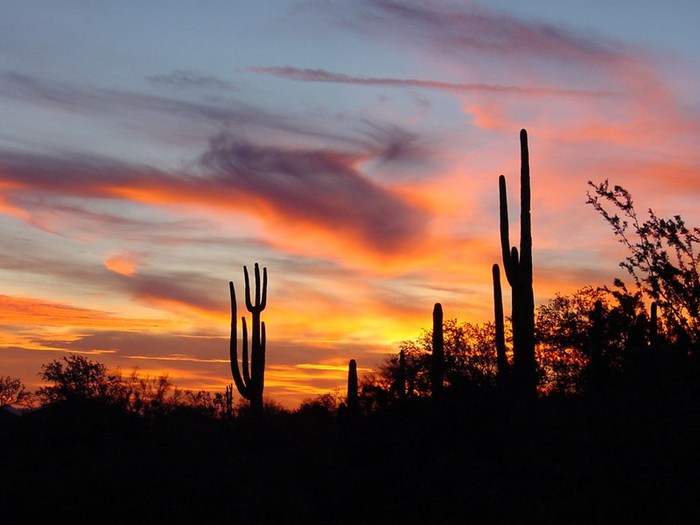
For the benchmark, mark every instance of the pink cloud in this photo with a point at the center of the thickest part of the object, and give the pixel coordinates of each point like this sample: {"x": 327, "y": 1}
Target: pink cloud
{"x": 320, "y": 75}
{"x": 122, "y": 263}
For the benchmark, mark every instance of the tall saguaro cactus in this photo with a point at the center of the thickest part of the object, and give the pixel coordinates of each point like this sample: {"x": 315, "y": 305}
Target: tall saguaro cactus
{"x": 250, "y": 378}
{"x": 437, "y": 370}
{"x": 518, "y": 270}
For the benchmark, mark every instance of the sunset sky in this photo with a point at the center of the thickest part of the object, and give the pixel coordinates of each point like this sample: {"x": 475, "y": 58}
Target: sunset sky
{"x": 149, "y": 150}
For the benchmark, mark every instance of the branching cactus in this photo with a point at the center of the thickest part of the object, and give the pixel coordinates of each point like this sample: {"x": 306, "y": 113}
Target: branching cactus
{"x": 352, "y": 387}
{"x": 250, "y": 378}
{"x": 501, "y": 358}
{"x": 518, "y": 270}
{"x": 437, "y": 370}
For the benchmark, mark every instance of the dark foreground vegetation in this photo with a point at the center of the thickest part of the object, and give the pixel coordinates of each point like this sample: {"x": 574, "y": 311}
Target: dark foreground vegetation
{"x": 585, "y": 409}
{"x": 629, "y": 454}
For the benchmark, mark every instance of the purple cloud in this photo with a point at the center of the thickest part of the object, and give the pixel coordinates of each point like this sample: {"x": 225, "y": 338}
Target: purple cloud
{"x": 321, "y": 75}
{"x": 189, "y": 79}
{"x": 464, "y": 28}
{"x": 322, "y": 187}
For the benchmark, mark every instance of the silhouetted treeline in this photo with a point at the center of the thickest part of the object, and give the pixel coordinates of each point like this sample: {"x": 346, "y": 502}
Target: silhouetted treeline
{"x": 626, "y": 454}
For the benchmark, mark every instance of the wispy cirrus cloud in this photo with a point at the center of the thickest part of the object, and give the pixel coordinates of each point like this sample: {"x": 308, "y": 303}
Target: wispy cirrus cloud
{"x": 157, "y": 116}
{"x": 492, "y": 45}
{"x": 321, "y": 75}
{"x": 189, "y": 79}
{"x": 462, "y": 28}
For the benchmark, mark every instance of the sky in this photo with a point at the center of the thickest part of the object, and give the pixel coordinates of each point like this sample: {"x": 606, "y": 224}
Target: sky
{"x": 150, "y": 150}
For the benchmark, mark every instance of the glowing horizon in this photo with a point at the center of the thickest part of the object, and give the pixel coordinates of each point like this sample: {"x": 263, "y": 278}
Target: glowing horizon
{"x": 365, "y": 181}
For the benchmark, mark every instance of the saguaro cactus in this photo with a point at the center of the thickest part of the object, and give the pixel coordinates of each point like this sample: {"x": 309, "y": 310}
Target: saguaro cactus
{"x": 251, "y": 380}
{"x": 653, "y": 328}
{"x": 596, "y": 365}
{"x": 352, "y": 387}
{"x": 401, "y": 379}
{"x": 518, "y": 270}
{"x": 437, "y": 370}
{"x": 501, "y": 358}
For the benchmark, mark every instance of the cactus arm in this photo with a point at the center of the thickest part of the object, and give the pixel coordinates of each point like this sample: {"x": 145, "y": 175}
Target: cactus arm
{"x": 248, "y": 303}
{"x": 263, "y": 301}
{"x": 245, "y": 365}
{"x": 260, "y": 294}
{"x": 508, "y": 265}
{"x": 501, "y": 358}
{"x": 259, "y": 370}
{"x": 233, "y": 350}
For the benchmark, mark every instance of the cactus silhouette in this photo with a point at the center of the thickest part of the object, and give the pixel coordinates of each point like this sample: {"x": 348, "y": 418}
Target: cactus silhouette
{"x": 596, "y": 365}
{"x": 352, "y": 387}
{"x": 501, "y": 358}
{"x": 437, "y": 369}
{"x": 401, "y": 380}
{"x": 653, "y": 328}
{"x": 518, "y": 269}
{"x": 251, "y": 380}
{"x": 228, "y": 402}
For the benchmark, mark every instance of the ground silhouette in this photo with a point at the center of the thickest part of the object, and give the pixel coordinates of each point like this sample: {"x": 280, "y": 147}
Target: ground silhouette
{"x": 626, "y": 454}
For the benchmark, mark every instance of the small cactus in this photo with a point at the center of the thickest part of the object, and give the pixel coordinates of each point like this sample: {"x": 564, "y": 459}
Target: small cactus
{"x": 596, "y": 366}
{"x": 228, "y": 401}
{"x": 352, "y": 387}
{"x": 653, "y": 328}
{"x": 437, "y": 371}
{"x": 401, "y": 380}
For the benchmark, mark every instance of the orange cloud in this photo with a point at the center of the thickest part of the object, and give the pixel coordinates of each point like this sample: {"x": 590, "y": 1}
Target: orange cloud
{"x": 122, "y": 263}
{"x": 27, "y": 311}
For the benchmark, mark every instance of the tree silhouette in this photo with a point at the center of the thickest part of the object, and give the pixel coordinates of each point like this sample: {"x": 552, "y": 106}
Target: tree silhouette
{"x": 75, "y": 377}
{"x": 587, "y": 335}
{"x": 12, "y": 391}
{"x": 468, "y": 359}
{"x": 663, "y": 258}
